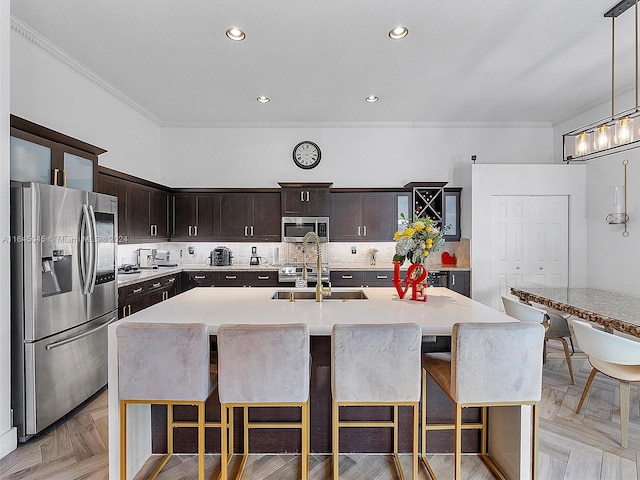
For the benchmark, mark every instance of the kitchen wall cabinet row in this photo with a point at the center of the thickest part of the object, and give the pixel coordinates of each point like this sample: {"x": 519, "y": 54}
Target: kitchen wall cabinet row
{"x": 149, "y": 212}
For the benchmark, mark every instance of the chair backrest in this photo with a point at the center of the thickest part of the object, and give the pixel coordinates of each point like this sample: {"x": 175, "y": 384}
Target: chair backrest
{"x": 163, "y": 361}
{"x": 496, "y": 362}
{"x": 376, "y": 362}
{"x": 523, "y": 312}
{"x": 263, "y": 363}
{"x": 606, "y": 346}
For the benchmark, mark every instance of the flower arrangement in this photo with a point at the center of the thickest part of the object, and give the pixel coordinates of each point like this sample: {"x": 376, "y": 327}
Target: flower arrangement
{"x": 418, "y": 239}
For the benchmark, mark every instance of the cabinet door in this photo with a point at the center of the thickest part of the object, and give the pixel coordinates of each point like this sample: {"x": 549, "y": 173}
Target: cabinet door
{"x": 318, "y": 202}
{"x": 138, "y": 211}
{"x": 118, "y": 188}
{"x": 207, "y": 216}
{"x": 377, "y": 216}
{"x": 345, "y": 217}
{"x": 262, "y": 279}
{"x": 31, "y": 160}
{"x": 234, "y": 216}
{"x": 378, "y": 278}
{"x": 451, "y": 213}
{"x": 159, "y": 214}
{"x": 184, "y": 215}
{"x": 265, "y": 217}
{"x": 305, "y": 201}
{"x": 230, "y": 279}
{"x": 460, "y": 282}
{"x": 293, "y": 201}
{"x": 78, "y": 171}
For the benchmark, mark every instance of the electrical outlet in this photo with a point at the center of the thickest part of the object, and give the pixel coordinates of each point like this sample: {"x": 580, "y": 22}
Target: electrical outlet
{"x": 353, "y": 250}
{"x": 191, "y": 250}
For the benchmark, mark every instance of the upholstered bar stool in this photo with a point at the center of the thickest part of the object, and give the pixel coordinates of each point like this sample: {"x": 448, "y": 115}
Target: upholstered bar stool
{"x": 617, "y": 357}
{"x": 263, "y": 366}
{"x": 168, "y": 364}
{"x": 556, "y": 327}
{"x": 491, "y": 364}
{"x": 375, "y": 365}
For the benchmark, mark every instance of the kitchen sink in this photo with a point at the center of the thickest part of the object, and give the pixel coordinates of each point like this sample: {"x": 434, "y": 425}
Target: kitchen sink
{"x": 343, "y": 295}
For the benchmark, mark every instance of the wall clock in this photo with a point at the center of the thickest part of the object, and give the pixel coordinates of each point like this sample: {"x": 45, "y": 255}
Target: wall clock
{"x": 306, "y": 155}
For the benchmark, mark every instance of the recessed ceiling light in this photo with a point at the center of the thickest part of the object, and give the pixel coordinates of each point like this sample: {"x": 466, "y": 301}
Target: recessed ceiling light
{"x": 263, "y": 99}
{"x": 234, "y": 33}
{"x": 371, "y": 99}
{"x": 398, "y": 32}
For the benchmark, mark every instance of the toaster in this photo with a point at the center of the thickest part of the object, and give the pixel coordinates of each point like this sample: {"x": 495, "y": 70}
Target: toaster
{"x": 220, "y": 257}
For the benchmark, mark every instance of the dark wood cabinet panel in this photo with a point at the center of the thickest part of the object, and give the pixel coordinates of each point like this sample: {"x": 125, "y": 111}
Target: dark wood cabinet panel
{"x": 159, "y": 214}
{"x": 363, "y": 216}
{"x": 460, "y": 281}
{"x": 262, "y": 279}
{"x": 307, "y": 201}
{"x": 141, "y": 295}
{"x": 195, "y": 216}
{"x": 249, "y": 216}
{"x": 147, "y": 213}
{"x": 378, "y": 278}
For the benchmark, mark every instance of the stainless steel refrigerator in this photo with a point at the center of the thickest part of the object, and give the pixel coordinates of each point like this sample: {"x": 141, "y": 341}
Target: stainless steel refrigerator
{"x": 63, "y": 296}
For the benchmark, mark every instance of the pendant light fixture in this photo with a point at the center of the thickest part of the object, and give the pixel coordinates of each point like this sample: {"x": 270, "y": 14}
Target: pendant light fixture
{"x": 619, "y": 132}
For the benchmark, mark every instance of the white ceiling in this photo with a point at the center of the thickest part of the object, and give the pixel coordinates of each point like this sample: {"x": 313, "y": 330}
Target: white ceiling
{"x": 463, "y": 60}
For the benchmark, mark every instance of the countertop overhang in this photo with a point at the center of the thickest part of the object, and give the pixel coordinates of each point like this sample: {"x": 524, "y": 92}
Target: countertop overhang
{"x": 216, "y": 306}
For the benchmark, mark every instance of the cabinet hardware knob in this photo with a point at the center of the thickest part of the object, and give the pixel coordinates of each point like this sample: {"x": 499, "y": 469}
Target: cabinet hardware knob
{"x": 199, "y": 277}
{"x": 347, "y": 277}
{"x": 137, "y": 290}
{"x": 155, "y": 285}
{"x": 260, "y": 277}
{"x": 382, "y": 277}
{"x": 230, "y": 277}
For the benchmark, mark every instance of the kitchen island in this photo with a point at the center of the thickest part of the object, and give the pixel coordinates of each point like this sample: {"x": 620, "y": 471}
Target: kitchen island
{"x": 216, "y": 306}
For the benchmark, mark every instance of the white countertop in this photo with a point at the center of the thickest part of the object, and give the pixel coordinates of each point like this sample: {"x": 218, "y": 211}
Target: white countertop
{"x": 215, "y": 306}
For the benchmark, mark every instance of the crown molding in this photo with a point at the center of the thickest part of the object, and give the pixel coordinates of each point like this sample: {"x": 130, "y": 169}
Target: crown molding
{"x": 424, "y": 125}
{"x": 28, "y": 34}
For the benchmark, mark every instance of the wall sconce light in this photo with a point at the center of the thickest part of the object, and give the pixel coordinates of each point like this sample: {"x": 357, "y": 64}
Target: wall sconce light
{"x": 618, "y": 202}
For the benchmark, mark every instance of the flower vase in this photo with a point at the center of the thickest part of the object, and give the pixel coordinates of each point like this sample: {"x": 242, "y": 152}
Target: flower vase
{"x": 416, "y": 279}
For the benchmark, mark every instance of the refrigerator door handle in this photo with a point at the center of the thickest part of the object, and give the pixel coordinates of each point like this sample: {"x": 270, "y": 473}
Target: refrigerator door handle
{"x": 93, "y": 248}
{"x": 84, "y": 233}
{"x": 82, "y": 335}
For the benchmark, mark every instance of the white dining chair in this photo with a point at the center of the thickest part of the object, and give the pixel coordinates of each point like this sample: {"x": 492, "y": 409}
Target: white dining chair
{"x": 617, "y": 357}
{"x": 553, "y": 325}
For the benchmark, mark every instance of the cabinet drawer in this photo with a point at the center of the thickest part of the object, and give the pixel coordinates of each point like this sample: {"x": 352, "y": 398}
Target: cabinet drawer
{"x": 133, "y": 290}
{"x": 262, "y": 279}
{"x": 230, "y": 279}
{"x": 202, "y": 279}
{"x": 347, "y": 278}
{"x": 378, "y": 278}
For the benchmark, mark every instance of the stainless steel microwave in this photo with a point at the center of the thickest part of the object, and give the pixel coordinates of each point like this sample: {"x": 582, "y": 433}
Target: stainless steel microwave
{"x": 295, "y": 228}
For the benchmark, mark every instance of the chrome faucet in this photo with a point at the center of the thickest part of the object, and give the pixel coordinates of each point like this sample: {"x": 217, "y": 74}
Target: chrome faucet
{"x": 320, "y": 291}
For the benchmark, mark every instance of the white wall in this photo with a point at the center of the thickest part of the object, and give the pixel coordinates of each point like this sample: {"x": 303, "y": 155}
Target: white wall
{"x": 489, "y": 180}
{"x": 8, "y": 438}
{"x": 48, "y": 92}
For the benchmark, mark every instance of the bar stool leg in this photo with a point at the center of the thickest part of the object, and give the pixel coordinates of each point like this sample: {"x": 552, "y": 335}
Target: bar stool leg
{"x": 334, "y": 438}
{"x": 223, "y": 442}
{"x": 458, "y": 444}
{"x": 123, "y": 439}
{"x": 201, "y": 441}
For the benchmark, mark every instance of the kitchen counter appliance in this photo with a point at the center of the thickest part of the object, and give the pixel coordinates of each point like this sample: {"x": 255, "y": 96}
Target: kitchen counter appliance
{"x": 295, "y": 228}
{"x": 162, "y": 258}
{"x": 221, "y": 257}
{"x": 63, "y": 296}
{"x": 146, "y": 257}
{"x": 290, "y": 272}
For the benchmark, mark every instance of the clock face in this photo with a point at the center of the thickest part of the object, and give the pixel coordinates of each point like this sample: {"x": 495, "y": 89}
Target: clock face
{"x": 306, "y": 155}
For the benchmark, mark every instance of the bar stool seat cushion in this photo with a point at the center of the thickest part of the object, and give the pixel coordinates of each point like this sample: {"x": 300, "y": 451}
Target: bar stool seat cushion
{"x": 363, "y": 364}
{"x": 159, "y": 361}
{"x": 482, "y": 367}
{"x": 263, "y": 366}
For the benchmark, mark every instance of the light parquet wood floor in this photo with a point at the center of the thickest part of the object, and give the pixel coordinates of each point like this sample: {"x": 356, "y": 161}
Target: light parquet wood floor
{"x": 583, "y": 446}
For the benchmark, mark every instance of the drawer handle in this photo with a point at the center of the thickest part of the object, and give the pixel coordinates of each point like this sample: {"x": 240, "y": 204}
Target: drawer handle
{"x": 266, "y": 277}
{"x": 382, "y": 277}
{"x": 347, "y": 277}
{"x": 156, "y": 285}
{"x": 230, "y": 277}
{"x": 200, "y": 277}
{"x": 137, "y": 290}
{"x": 171, "y": 280}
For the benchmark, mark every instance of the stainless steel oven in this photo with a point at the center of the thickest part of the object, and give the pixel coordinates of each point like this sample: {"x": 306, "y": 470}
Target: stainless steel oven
{"x": 295, "y": 228}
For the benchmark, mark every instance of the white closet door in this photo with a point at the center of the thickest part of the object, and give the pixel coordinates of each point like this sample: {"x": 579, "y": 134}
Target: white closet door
{"x": 549, "y": 240}
{"x": 510, "y": 244}
{"x": 529, "y": 242}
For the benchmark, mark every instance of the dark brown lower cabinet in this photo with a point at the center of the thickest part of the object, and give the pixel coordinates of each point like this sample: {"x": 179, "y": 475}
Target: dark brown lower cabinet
{"x": 136, "y": 297}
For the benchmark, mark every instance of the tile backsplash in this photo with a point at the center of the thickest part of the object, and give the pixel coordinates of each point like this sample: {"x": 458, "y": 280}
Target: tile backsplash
{"x": 336, "y": 253}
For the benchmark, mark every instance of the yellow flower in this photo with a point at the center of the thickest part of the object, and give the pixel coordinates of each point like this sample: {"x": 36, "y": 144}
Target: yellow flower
{"x": 396, "y": 236}
{"x": 409, "y": 232}
{"x": 428, "y": 229}
{"x": 425, "y": 253}
{"x": 419, "y": 226}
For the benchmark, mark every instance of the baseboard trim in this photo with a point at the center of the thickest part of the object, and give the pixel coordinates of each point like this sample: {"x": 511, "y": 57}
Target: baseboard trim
{"x": 8, "y": 442}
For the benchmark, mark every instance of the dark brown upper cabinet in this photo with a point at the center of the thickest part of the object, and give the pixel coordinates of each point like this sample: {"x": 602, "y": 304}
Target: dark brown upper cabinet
{"x": 247, "y": 216}
{"x": 196, "y": 216}
{"x": 305, "y": 200}
{"x": 363, "y": 216}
